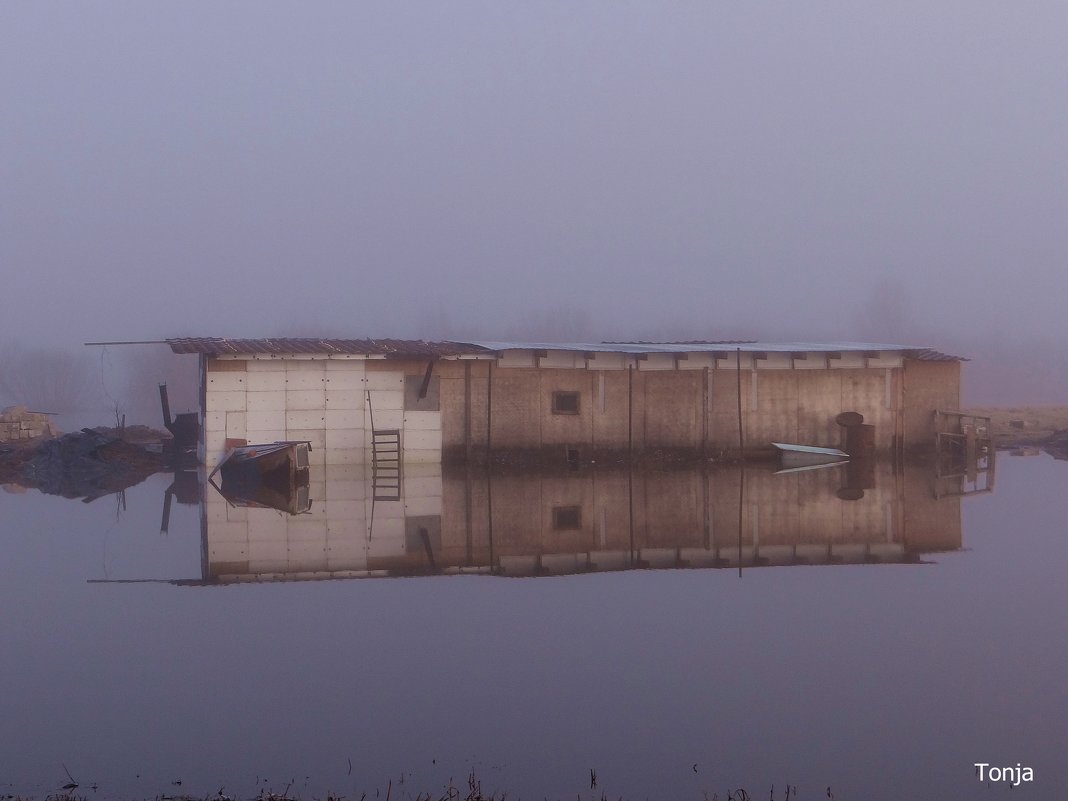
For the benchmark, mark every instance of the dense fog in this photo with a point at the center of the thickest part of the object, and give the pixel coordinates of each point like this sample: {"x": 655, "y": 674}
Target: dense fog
{"x": 542, "y": 170}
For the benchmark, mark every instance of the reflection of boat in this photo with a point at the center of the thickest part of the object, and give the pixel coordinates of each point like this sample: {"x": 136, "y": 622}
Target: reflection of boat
{"x": 278, "y": 465}
{"x": 270, "y": 476}
{"x": 807, "y": 455}
{"x": 293, "y": 500}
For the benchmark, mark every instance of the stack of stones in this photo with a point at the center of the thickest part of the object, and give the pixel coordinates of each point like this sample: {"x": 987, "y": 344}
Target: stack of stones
{"x": 18, "y": 422}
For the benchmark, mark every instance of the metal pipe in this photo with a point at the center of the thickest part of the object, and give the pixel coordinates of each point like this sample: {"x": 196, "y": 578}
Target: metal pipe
{"x": 165, "y": 403}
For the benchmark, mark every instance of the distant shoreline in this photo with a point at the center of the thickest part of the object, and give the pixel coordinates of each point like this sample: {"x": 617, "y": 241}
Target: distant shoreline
{"x": 1027, "y": 426}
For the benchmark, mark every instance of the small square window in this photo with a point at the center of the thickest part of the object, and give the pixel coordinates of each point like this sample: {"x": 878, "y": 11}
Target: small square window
{"x": 565, "y": 403}
{"x": 567, "y": 517}
{"x": 431, "y": 400}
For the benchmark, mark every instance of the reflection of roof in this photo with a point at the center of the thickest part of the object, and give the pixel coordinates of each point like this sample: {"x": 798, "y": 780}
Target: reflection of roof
{"x": 566, "y": 564}
{"x": 402, "y": 348}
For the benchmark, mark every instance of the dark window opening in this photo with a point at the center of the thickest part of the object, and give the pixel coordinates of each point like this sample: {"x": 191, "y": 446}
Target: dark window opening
{"x": 431, "y": 400}
{"x": 565, "y": 403}
{"x": 567, "y": 517}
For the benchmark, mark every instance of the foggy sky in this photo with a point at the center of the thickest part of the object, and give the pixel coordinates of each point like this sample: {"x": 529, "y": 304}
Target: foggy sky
{"x": 613, "y": 170}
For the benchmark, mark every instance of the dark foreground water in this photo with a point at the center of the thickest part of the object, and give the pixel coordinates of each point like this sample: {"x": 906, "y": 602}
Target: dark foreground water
{"x": 882, "y": 680}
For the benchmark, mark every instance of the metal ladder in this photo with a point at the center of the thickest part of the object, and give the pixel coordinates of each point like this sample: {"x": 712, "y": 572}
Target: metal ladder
{"x": 385, "y": 460}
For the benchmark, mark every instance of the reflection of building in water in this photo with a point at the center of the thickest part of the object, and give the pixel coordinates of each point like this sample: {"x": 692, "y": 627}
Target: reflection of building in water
{"x": 523, "y": 524}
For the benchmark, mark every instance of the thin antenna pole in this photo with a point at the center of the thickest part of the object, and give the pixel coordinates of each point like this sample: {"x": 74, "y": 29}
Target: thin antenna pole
{"x": 130, "y": 342}
{"x": 741, "y": 450}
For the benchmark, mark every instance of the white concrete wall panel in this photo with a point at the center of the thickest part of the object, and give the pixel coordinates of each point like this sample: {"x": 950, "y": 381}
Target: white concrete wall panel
{"x": 230, "y": 531}
{"x": 343, "y": 418}
{"x": 421, "y": 440}
{"x": 304, "y": 379}
{"x": 516, "y": 358}
{"x": 775, "y": 361}
{"x": 264, "y": 435}
{"x": 345, "y": 509}
{"x": 345, "y": 398}
{"x": 422, "y": 421}
{"x": 266, "y": 381}
{"x": 268, "y": 524}
{"x": 355, "y": 364}
{"x": 342, "y": 438}
{"x": 607, "y": 361}
{"x": 391, "y": 381}
{"x": 225, "y": 401}
{"x": 304, "y": 420}
{"x": 236, "y": 425}
{"x": 418, "y": 506}
{"x": 337, "y": 456}
{"x": 415, "y": 456}
{"x": 849, "y": 360}
{"x": 420, "y": 486}
{"x": 308, "y": 365}
{"x": 226, "y": 382}
{"x": 266, "y": 420}
{"x": 697, "y": 361}
{"x": 265, "y": 365}
{"x": 237, "y": 514}
{"x": 392, "y": 399}
{"x": 388, "y": 418}
{"x": 268, "y": 550}
{"x": 273, "y": 401}
{"x": 565, "y": 359}
{"x": 345, "y": 379}
{"x": 316, "y": 437}
{"x": 657, "y": 361}
{"x": 305, "y": 399}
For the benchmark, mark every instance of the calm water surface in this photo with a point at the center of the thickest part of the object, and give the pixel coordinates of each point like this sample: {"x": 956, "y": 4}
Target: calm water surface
{"x": 886, "y": 680}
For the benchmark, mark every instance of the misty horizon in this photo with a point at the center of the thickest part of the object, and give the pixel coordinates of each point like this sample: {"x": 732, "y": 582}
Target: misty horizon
{"x": 698, "y": 171}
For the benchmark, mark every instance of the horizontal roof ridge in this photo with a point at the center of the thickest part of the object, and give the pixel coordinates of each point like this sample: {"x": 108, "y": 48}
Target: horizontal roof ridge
{"x": 419, "y": 348}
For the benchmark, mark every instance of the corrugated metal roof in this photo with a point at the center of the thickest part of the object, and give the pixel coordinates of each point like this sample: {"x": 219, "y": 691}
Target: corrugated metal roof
{"x": 408, "y": 348}
{"x": 746, "y": 346}
{"x": 928, "y": 355}
{"x": 394, "y": 348}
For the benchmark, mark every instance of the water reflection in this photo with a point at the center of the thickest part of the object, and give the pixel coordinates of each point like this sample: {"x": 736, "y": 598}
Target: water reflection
{"x": 553, "y": 523}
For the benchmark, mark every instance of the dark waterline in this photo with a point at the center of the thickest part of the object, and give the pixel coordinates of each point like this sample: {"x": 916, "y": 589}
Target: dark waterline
{"x": 882, "y": 681}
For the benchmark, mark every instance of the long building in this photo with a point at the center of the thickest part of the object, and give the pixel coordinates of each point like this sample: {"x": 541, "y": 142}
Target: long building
{"x": 468, "y": 401}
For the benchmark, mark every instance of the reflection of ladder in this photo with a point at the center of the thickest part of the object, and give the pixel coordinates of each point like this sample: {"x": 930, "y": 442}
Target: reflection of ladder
{"x": 385, "y": 459}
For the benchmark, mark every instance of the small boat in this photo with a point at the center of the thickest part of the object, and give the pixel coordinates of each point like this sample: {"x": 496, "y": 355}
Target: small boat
{"x": 278, "y": 465}
{"x": 795, "y": 456}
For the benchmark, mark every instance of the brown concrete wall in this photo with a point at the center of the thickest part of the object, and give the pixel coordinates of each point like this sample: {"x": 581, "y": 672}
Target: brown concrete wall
{"x": 671, "y": 409}
{"x": 932, "y": 513}
{"x": 928, "y": 386}
{"x": 691, "y": 412}
{"x": 464, "y": 404}
{"x": 618, "y": 408}
{"x": 684, "y": 510}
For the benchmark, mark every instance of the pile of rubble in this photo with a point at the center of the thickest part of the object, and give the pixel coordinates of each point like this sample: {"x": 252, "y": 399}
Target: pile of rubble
{"x": 1056, "y": 444}
{"x": 86, "y": 464}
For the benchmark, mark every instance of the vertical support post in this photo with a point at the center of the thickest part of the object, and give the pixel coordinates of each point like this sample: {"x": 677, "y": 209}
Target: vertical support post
{"x": 467, "y": 412}
{"x": 630, "y": 413}
{"x": 741, "y": 425}
{"x": 489, "y": 410}
{"x": 704, "y": 412}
